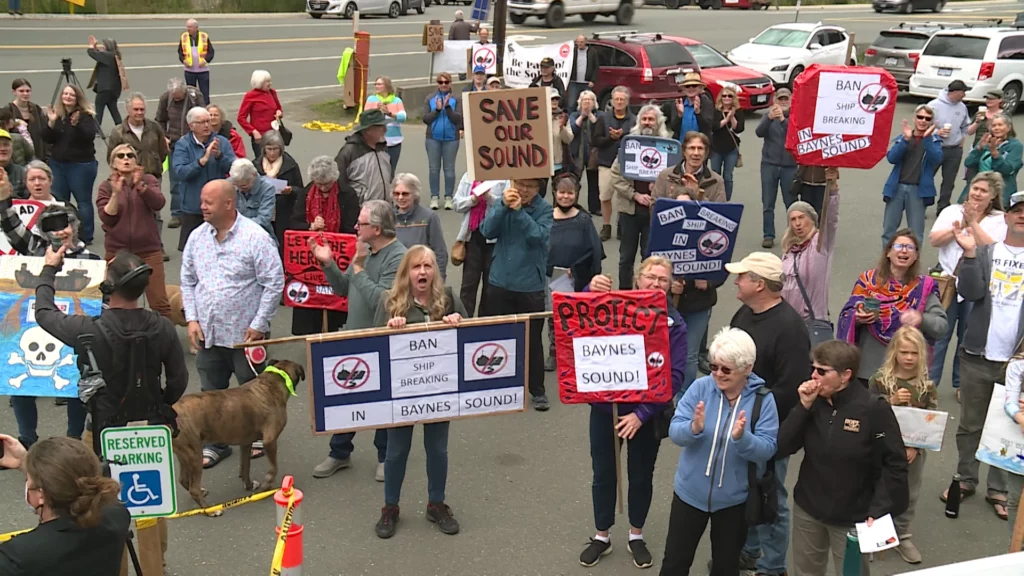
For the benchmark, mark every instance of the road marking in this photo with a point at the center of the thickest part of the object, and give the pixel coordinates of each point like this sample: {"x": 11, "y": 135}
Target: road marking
{"x": 261, "y": 25}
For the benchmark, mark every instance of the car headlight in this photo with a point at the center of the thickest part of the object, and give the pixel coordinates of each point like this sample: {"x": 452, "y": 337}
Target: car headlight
{"x": 782, "y": 68}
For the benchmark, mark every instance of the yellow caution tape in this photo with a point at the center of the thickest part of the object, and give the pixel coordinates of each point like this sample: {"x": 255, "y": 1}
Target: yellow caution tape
{"x": 9, "y": 535}
{"x": 282, "y": 537}
{"x": 318, "y": 126}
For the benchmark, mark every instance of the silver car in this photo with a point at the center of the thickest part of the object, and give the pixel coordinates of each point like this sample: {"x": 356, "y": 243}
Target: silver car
{"x": 898, "y": 48}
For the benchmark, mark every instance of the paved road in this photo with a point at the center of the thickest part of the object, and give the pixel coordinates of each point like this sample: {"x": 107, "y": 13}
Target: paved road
{"x": 519, "y": 484}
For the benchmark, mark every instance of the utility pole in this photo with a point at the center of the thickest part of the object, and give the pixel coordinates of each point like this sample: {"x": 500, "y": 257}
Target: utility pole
{"x": 500, "y": 18}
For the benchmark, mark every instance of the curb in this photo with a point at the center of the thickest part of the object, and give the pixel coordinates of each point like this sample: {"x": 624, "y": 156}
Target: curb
{"x": 199, "y": 16}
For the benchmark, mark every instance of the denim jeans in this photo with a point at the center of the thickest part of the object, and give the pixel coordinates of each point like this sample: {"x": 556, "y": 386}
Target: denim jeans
{"x": 394, "y": 152}
{"x": 956, "y": 318}
{"x": 634, "y": 232}
{"x": 175, "y": 194}
{"x": 774, "y": 178}
{"x": 27, "y": 415}
{"x": 696, "y": 328}
{"x": 905, "y": 198}
{"x": 641, "y": 457}
{"x": 442, "y": 152}
{"x": 435, "y": 443}
{"x": 342, "y": 447}
{"x": 723, "y": 166}
{"x": 14, "y": 6}
{"x": 76, "y": 179}
{"x": 772, "y": 539}
{"x": 200, "y": 80}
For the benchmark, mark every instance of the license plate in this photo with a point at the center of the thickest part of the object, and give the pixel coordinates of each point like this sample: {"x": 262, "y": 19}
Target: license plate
{"x": 945, "y": 72}
{"x": 680, "y": 78}
{"x": 891, "y": 61}
{"x": 760, "y": 99}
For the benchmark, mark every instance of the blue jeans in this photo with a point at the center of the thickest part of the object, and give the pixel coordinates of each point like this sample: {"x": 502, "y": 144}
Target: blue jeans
{"x": 28, "y": 418}
{"x": 905, "y": 198}
{"x": 76, "y": 179}
{"x": 774, "y": 177}
{"x": 14, "y": 6}
{"x": 341, "y": 445}
{"x": 723, "y": 166}
{"x": 956, "y": 317}
{"x": 438, "y": 152}
{"x": 696, "y": 327}
{"x": 772, "y": 539}
{"x": 394, "y": 152}
{"x": 435, "y": 443}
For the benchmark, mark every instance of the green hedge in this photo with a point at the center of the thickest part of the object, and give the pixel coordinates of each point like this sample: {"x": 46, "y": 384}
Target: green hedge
{"x": 166, "y": 6}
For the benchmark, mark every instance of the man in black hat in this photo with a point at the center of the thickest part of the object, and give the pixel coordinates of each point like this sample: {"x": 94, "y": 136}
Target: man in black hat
{"x": 953, "y": 125}
{"x": 547, "y": 77}
{"x": 363, "y": 161}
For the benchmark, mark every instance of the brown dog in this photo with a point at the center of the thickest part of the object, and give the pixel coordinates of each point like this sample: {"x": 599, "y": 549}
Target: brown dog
{"x": 236, "y": 417}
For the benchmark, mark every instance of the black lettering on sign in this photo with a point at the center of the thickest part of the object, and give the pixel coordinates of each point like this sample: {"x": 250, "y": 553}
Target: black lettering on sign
{"x": 615, "y": 313}
{"x": 425, "y": 344}
{"x": 358, "y": 416}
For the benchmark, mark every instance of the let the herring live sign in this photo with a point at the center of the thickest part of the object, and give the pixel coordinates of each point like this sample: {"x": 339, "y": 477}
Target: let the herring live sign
{"x": 382, "y": 378}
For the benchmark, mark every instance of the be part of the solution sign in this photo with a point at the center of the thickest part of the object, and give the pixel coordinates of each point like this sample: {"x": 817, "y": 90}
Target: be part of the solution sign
{"x": 144, "y": 467}
{"x": 383, "y": 379}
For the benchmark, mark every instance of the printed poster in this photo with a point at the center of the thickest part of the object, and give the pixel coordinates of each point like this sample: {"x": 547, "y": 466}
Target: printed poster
{"x": 305, "y": 285}
{"x": 522, "y": 63}
{"x": 1002, "y": 443}
{"x": 698, "y": 237}
{"x": 921, "y": 428}
{"x": 644, "y": 157}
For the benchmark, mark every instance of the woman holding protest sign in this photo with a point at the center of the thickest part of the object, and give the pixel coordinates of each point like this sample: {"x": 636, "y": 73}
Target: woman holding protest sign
{"x": 638, "y": 426}
{"x": 321, "y": 207}
{"x": 418, "y": 295}
{"x": 725, "y": 422}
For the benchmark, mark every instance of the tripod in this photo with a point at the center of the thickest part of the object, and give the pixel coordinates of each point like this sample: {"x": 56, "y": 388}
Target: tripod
{"x": 97, "y": 448}
{"x": 67, "y": 77}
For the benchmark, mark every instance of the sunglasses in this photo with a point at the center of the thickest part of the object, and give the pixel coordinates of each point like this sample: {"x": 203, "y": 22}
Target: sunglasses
{"x": 901, "y": 246}
{"x": 401, "y": 194}
{"x": 443, "y": 82}
{"x": 928, "y": 118}
{"x": 823, "y": 371}
{"x": 123, "y": 155}
{"x": 724, "y": 96}
{"x": 719, "y": 368}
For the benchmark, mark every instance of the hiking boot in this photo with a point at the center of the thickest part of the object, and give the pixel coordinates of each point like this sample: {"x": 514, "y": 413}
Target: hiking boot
{"x": 549, "y": 364}
{"x": 908, "y": 551}
{"x": 329, "y": 466}
{"x": 433, "y": 203}
{"x": 767, "y": 242}
{"x": 594, "y": 551}
{"x": 641, "y": 555}
{"x": 606, "y": 232}
{"x": 388, "y": 523}
{"x": 174, "y": 222}
{"x": 441, "y": 514}
{"x": 448, "y": 203}
{"x": 540, "y": 403}
{"x": 379, "y": 475}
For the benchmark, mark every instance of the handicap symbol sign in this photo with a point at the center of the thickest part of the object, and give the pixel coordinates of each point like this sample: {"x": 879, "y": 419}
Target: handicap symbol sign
{"x": 140, "y": 488}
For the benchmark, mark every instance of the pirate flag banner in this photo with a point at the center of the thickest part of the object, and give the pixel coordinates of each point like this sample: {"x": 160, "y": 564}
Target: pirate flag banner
{"x": 305, "y": 285}
{"x": 698, "y": 237}
{"x": 428, "y": 372}
{"x": 612, "y": 347}
{"x": 644, "y": 157}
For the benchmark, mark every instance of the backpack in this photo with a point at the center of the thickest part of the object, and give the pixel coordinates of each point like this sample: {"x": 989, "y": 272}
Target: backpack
{"x": 762, "y": 498}
{"x": 133, "y": 391}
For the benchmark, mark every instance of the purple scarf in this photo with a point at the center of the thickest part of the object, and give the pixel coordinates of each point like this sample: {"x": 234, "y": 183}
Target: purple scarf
{"x": 896, "y": 298}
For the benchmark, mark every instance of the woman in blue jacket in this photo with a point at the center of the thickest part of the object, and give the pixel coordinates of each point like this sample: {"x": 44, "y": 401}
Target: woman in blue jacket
{"x": 637, "y": 426}
{"x": 914, "y": 155}
{"x": 442, "y": 113}
{"x": 713, "y": 425}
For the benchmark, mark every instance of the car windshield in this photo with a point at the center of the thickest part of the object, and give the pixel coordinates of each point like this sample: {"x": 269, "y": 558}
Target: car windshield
{"x": 900, "y": 41}
{"x": 708, "y": 57}
{"x": 782, "y": 37}
{"x": 665, "y": 54}
{"x": 970, "y": 47}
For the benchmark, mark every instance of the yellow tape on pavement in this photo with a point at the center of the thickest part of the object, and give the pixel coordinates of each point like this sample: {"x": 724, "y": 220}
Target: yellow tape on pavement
{"x": 9, "y": 535}
{"x": 318, "y": 126}
{"x": 286, "y": 525}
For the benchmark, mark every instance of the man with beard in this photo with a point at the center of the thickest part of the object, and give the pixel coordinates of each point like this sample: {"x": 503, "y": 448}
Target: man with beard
{"x": 170, "y": 115}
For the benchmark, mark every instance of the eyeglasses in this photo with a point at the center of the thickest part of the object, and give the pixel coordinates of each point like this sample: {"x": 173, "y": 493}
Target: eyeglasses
{"x": 822, "y": 370}
{"x": 443, "y": 82}
{"x": 659, "y": 279}
{"x": 725, "y": 370}
{"x": 123, "y": 155}
{"x": 200, "y": 122}
{"x": 928, "y": 118}
{"x": 724, "y": 96}
{"x": 901, "y": 246}
{"x": 362, "y": 223}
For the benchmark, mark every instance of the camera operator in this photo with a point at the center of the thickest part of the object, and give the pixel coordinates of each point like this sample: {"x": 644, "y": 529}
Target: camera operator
{"x": 82, "y": 525}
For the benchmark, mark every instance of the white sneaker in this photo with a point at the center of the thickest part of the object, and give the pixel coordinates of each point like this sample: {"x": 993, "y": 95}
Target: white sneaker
{"x": 448, "y": 204}
{"x": 433, "y": 203}
{"x": 379, "y": 476}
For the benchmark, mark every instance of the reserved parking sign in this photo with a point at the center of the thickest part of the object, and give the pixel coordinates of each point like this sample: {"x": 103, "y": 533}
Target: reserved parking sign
{"x": 143, "y": 463}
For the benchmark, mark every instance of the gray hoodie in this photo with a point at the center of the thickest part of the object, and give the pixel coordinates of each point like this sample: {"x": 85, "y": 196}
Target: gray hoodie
{"x": 947, "y": 112}
{"x": 422, "y": 226}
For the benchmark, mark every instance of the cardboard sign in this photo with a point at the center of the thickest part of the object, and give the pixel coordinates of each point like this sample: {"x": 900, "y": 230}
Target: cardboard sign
{"x": 485, "y": 55}
{"x": 433, "y": 35}
{"x": 612, "y": 347}
{"x": 32, "y": 361}
{"x": 305, "y": 285}
{"x": 644, "y": 157}
{"x": 841, "y": 116}
{"x": 508, "y": 135}
{"x": 522, "y": 63}
{"x": 921, "y": 428}
{"x": 698, "y": 237}
{"x": 28, "y": 211}
{"x": 1002, "y": 443}
{"x": 383, "y": 379}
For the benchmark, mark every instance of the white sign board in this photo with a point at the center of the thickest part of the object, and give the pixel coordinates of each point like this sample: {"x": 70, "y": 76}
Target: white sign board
{"x": 522, "y": 63}
{"x": 847, "y": 103}
{"x": 922, "y": 429}
{"x": 145, "y": 468}
{"x": 28, "y": 211}
{"x": 1002, "y": 444}
{"x": 486, "y": 55}
{"x": 453, "y": 58}
{"x": 610, "y": 363}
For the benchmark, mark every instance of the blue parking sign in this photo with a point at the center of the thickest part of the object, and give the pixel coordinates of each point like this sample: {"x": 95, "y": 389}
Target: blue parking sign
{"x": 141, "y": 488}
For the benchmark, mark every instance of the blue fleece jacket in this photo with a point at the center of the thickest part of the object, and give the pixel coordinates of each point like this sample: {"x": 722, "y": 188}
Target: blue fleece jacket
{"x": 932, "y": 159}
{"x": 520, "y": 259}
{"x": 712, "y": 471}
{"x": 191, "y": 175}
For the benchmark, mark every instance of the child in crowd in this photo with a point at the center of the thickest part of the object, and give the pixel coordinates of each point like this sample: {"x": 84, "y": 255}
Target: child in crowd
{"x": 1013, "y": 406}
{"x": 903, "y": 381}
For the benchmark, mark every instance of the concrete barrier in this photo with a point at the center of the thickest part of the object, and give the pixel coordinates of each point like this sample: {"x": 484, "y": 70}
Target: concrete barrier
{"x": 415, "y": 95}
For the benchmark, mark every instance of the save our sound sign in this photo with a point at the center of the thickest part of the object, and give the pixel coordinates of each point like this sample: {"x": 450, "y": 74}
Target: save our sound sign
{"x": 508, "y": 135}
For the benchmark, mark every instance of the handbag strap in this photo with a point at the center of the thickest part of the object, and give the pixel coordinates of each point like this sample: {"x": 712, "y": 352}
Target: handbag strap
{"x": 800, "y": 284}
{"x": 755, "y": 414}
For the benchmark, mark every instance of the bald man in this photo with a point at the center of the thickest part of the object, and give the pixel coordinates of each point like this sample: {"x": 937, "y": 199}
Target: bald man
{"x": 582, "y": 74}
{"x": 229, "y": 263}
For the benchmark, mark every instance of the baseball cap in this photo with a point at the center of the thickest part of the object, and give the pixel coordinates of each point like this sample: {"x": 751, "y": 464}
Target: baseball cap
{"x": 5, "y": 134}
{"x": 494, "y": 80}
{"x": 547, "y": 61}
{"x": 783, "y": 92}
{"x": 995, "y": 94}
{"x": 1016, "y": 200}
{"x": 478, "y": 69}
{"x": 764, "y": 264}
{"x": 553, "y": 93}
{"x": 956, "y": 86}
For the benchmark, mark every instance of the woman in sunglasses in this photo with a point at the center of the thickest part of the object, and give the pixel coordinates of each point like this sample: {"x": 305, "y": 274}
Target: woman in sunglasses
{"x": 442, "y": 113}
{"x": 915, "y": 156}
{"x": 126, "y": 203}
{"x": 891, "y": 295}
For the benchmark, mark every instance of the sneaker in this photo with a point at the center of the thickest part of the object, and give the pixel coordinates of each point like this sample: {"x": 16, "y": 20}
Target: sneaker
{"x": 549, "y": 364}
{"x": 441, "y": 514}
{"x": 388, "y": 523}
{"x": 329, "y": 466}
{"x": 767, "y": 242}
{"x": 540, "y": 403}
{"x": 379, "y": 475}
{"x": 908, "y": 551}
{"x": 641, "y": 555}
{"x": 433, "y": 203}
{"x": 606, "y": 232}
{"x": 594, "y": 551}
{"x": 174, "y": 222}
{"x": 747, "y": 562}
{"x": 448, "y": 203}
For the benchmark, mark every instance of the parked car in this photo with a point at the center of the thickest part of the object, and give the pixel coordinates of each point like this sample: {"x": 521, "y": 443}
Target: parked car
{"x": 983, "y": 57}
{"x": 755, "y": 90}
{"x": 783, "y": 51}
{"x": 346, "y": 8}
{"x": 650, "y": 65}
{"x": 553, "y": 12}
{"x": 898, "y": 48}
{"x": 747, "y": 4}
{"x": 908, "y": 6}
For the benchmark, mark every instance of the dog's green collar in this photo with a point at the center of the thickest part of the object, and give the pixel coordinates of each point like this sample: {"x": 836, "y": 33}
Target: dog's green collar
{"x": 284, "y": 375}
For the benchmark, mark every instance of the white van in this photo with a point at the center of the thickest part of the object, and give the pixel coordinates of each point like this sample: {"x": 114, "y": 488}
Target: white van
{"x": 347, "y": 8}
{"x": 553, "y": 12}
{"x": 984, "y": 58}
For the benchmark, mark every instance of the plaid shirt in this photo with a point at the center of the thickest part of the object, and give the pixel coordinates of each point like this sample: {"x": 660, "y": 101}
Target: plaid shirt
{"x": 30, "y": 243}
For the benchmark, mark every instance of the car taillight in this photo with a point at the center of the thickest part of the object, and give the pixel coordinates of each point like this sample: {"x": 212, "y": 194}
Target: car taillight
{"x": 648, "y": 76}
{"x": 915, "y": 57}
{"x": 988, "y": 69}
{"x": 871, "y": 52}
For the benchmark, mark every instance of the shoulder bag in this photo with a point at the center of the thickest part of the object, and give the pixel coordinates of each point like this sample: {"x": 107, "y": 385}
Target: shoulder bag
{"x": 739, "y": 155}
{"x": 820, "y": 330}
{"x": 762, "y": 498}
{"x": 947, "y": 284}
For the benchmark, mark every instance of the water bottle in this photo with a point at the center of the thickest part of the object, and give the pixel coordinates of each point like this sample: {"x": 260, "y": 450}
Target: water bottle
{"x": 851, "y": 559}
{"x": 953, "y": 498}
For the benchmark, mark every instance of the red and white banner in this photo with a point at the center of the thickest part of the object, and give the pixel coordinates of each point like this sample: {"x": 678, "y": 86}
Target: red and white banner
{"x": 612, "y": 347}
{"x": 841, "y": 116}
{"x": 305, "y": 285}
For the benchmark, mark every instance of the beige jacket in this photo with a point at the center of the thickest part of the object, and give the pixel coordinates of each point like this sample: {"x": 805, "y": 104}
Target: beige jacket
{"x": 561, "y": 135}
{"x": 669, "y": 185}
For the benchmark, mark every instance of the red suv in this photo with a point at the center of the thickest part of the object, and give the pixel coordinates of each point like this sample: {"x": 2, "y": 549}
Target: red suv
{"x": 651, "y": 67}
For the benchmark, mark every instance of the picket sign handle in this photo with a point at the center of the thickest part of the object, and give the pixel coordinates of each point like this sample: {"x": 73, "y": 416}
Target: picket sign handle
{"x": 1018, "y": 530}
{"x": 417, "y": 327}
{"x": 618, "y": 455}
{"x": 830, "y": 185}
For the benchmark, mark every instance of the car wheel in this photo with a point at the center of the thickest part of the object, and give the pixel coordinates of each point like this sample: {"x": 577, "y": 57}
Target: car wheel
{"x": 792, "y": 77}
{"x": 419, "y": 9}
{"x": 716, "y": 4}
{"x": 588, "y": 17}
{"x": 395, "y": 10}
{"x": 426, "y": 3}
{"x": 624, "y": 15}
{"x": 556, "y": 15}
{"x": 908, "y": 8}
{"x": 350, "y": 10}
{"x": 672, "y": 4}
{"x": 878, "y": 10}
{"x": 316, "y": 16}
{"x": 705, "y": 4}
{"x": 939, "y": 6}
{"x": 1011, "y": 97}
{"x": 604, "y": 102}
{"x": 517, "y": 18}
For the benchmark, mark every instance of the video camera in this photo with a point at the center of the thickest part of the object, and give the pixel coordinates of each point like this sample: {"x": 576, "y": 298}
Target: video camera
{"x": 65, "y": 65}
